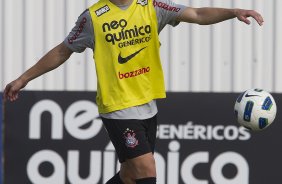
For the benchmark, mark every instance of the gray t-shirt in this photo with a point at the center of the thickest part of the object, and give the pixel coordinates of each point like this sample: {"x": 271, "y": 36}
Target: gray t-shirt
{"x": 82, "y": 37}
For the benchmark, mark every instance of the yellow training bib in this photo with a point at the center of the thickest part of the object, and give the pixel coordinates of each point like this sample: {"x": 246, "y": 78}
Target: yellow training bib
{"x": 126, "y": 55}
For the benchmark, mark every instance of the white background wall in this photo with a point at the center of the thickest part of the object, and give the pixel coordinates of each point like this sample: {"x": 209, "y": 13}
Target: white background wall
{"x": 226, "y": 57}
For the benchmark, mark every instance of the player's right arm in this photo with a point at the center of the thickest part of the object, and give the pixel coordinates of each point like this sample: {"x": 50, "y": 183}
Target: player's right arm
{"x": 50, "y": 61}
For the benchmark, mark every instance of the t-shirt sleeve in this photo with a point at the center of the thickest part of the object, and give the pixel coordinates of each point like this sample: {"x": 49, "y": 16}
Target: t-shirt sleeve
{"x": 82, "y": 34}
{"x": 167, "y": 12}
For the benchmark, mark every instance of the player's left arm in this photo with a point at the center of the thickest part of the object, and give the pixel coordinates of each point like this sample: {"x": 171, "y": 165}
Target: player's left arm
{"x": 209, "y": 15}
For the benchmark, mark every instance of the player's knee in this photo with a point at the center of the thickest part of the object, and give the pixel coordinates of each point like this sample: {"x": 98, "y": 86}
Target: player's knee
{"x": 127, "y": 178}
{"x": 147, "y": 169}
{"x": 144, "y": 167}
{"x": 126, "y": 174}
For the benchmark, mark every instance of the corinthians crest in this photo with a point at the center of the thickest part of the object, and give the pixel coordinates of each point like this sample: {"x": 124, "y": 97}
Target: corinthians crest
{"x": 142, "y": 2}
{"x": 130, "y": 139}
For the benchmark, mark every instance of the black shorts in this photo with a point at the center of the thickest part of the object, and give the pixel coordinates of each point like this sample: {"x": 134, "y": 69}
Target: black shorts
{"x": 132, "y": 138}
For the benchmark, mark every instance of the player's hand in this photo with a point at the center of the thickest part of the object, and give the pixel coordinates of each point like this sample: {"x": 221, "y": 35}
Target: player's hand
{"x": 12, "y": 89}
{"x": 243, "y": 15}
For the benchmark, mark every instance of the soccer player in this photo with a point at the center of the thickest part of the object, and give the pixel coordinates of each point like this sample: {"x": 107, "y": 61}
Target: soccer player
{"x": 123, "y": 35}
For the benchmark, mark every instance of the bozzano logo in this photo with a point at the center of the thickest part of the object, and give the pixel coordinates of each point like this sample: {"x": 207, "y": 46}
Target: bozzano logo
{"x": 126, "y": 36}
{"x": 134, "y": 73}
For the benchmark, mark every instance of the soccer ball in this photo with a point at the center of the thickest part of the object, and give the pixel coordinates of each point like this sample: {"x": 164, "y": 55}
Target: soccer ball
{"x": 255, "y": 109}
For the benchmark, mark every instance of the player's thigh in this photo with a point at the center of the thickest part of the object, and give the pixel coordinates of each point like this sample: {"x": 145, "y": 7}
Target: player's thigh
{"x": 140, "y": 167}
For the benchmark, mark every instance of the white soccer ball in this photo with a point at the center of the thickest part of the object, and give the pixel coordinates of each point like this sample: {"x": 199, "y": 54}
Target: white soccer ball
{"x": 255, "y": 109}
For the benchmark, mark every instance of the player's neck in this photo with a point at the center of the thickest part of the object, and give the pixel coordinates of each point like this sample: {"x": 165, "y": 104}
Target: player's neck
{"x": 121, "y": 2}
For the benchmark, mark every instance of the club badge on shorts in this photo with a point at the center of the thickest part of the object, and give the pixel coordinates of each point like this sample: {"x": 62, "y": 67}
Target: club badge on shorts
{"x": 130, "y": 139}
